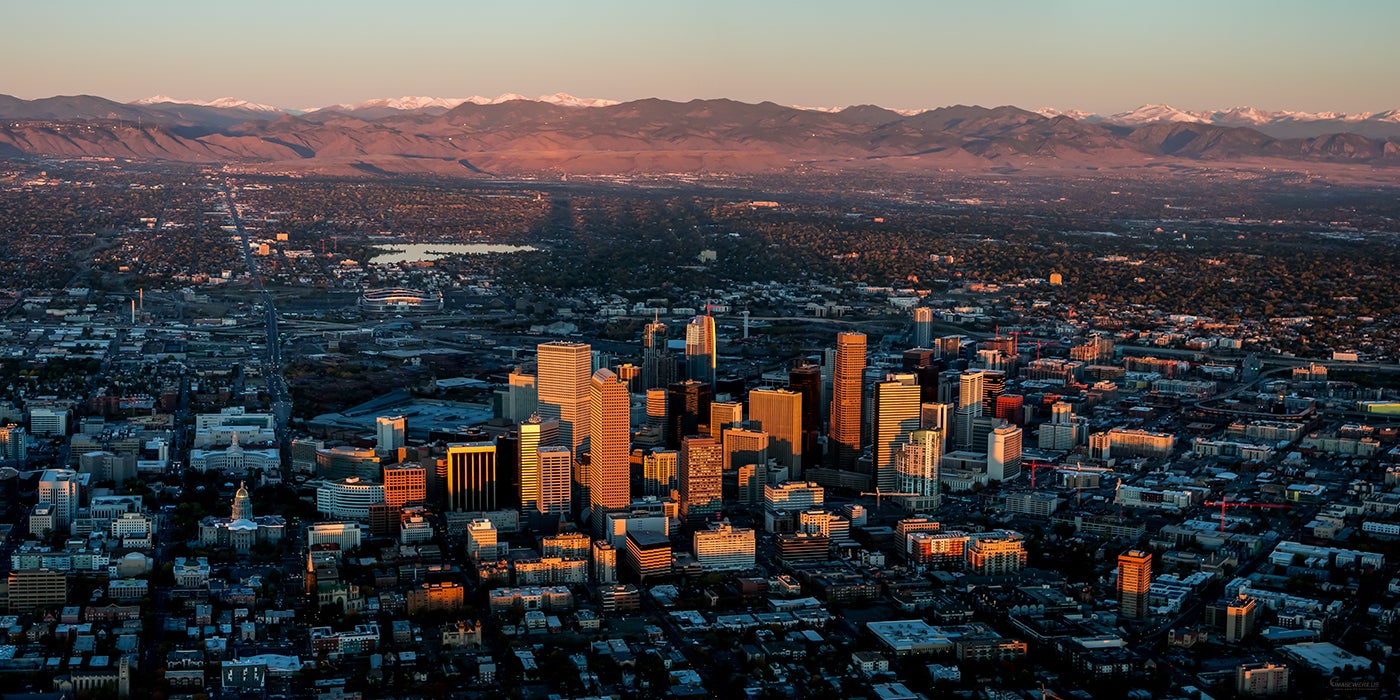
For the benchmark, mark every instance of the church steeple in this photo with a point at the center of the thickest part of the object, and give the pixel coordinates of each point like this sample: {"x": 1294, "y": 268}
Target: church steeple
{"x": 242, "y": 504}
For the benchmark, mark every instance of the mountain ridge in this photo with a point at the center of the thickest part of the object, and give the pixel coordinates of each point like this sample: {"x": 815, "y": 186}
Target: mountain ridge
{"x": 506, "y": 136}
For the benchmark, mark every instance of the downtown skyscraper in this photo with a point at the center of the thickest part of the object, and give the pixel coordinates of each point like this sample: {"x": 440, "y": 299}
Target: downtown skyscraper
{"x": 658, "y": 363}
{"x": 609, "y": 446}
{"x": 846, "y": 399}
{"x": 563, "y": 372}
{"x": 896, "y": 416}
{"x": 700, "y": 358}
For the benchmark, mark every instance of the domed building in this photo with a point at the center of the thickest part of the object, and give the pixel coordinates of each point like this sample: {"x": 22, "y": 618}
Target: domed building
{"x": 241, "y": 530}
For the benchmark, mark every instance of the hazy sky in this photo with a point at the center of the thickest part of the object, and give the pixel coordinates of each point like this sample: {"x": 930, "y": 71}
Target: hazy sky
{"x": 1100, "y": 55}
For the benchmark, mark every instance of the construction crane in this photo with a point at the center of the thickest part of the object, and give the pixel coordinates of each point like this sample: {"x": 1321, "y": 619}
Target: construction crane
{"x": 1035, "y": 466}
{"x": 1227, "y": 503}
{"x": 878, "y": 494}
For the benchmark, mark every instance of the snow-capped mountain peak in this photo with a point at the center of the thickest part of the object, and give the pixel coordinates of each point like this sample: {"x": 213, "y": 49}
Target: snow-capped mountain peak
{"x": 420, "y": 103}
{"x": 221, "y": 103}
{"x": 1150, "y": 114}
{"x": 1075, "y": 114}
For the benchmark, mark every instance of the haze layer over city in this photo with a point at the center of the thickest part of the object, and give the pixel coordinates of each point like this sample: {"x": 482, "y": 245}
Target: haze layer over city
{"x": 897, "y": 351}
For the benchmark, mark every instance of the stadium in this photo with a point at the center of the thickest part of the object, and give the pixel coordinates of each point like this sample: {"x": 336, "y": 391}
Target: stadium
{"x": 399, "y": 300}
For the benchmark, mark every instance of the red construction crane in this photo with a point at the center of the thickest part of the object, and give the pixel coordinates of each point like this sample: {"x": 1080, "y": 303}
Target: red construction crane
{"x": 1240, "y": 504}
{"x": 1036, "y": 465}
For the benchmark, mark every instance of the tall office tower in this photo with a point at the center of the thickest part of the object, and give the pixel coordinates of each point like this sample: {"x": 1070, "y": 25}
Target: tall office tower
{"x": 563, "y": 389}
{"x": 923, "y": 363}
{"x": 521, "y": 398}
{"x": 700, "y": 355}
{"x": 701, "y": 478}
{"x": 609, "y": 448}
{"x": 778, "y": 412}
{"x": 949, "y": 346}
{"x": 993, "y": 386}
{"x": 389, "y": 434}
{"x": 971, "y": 389}
{"x": 62, "y": 489}
{"x": 923, "y": 327}
{"x": 806, "y": 379}
{"x": 895, "y": 416}
{"x": 556, "y": 487}
{"x": 508, "y": 471}
{"x": 659, "y": 473}
{"x": 725, "y": 414}
{"x": 872, "y": 376}
{"x": 658, "y": 363}
{"x": 535, "y": 433}
{"x": 917, "y": 465}
{"x": 687, "y": 411}
{"x": 1134, "y": 580}
{"x": 656, "y": 410}
{"x": 471, "y": 476}
{"x": 1004, "y": 453}
{"x": 846, "y": 399}
{"x": 744, "y": 447}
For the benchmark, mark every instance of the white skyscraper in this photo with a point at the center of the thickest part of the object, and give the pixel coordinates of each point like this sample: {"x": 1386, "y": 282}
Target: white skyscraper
{"x": 1004, "y": 453}
{"x": 917, "y": 464}
{"x": 389, "y": 433}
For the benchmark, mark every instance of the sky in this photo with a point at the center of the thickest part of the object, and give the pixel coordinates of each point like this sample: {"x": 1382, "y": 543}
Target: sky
{"x": 1098, "y": 55}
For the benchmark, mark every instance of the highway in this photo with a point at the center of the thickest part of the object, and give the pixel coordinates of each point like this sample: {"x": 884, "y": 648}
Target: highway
{"x": 272, "y": 367}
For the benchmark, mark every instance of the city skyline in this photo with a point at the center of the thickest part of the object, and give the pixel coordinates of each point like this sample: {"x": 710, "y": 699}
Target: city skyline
{"x": 1096, "y": 56}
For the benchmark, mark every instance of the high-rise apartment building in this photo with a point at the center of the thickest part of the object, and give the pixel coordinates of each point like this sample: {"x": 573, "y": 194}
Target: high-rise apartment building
{"x": 1240, "y": 616}
{"x": 1134, "y": 581}
{"x": 609, "y": 445}
{"x": 778, "y": 412}
{"x": 846, "y": 399}
{"x": 701, "y": 467}
{"x": 917, "y": 465}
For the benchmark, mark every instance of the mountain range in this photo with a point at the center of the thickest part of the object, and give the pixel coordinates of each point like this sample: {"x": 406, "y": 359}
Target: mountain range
{"x": 511, "y": 135}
